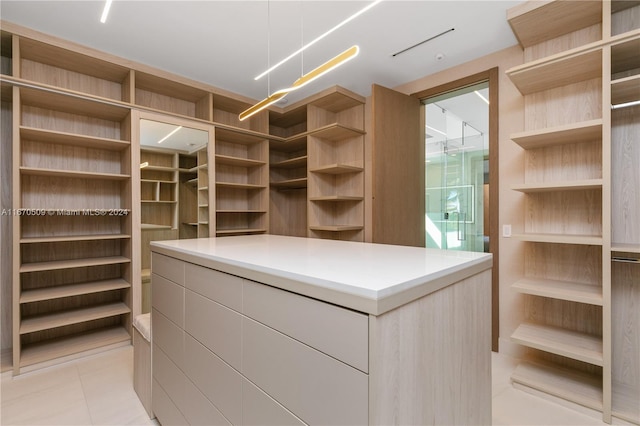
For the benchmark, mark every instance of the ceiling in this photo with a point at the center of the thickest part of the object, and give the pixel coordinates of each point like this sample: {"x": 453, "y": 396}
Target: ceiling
{"x": 227, "y": 43}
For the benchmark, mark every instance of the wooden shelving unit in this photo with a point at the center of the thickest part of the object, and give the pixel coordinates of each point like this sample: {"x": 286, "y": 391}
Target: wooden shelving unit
{"x": 72, "y": 161}
{"x": 578, "y": 346}
{"x": 288, "y": 173}
{"x": 76, "y": 115}
{"x": 580, "y": 211}
{"x": 625, "y": 202}
{"x": 336, "y": 166}
{"x": 241, "y": 183}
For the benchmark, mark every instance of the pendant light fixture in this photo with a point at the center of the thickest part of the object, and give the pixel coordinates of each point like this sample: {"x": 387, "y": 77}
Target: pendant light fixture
{"x": 331, "y": 64}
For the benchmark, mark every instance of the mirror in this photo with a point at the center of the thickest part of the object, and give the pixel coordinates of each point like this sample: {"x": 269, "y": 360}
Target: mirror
{"x": 174, "y": 187}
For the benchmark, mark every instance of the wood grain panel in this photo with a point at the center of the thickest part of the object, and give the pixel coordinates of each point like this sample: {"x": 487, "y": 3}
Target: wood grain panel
{"x": 565, "y": 212}
{"x": 563, "y": 43}
{"x": 568, "y": 162}
{"x": 626, "y": 338}
{"x": 564, "y": 262}
{"x": 65, "y": 122}
{"x": 71, "y": 80}
{"x": 625, "y": 20}
{"x": 572, "y": 316}
{"x": 288, "y": 212}
{"x": 6, "y": 231}
{"x": 572, "y": 103}
{"x": 398, "y": 169}
{"x": 165, "y": 103}
{"x": 403, "y": 388}
{"x": 625, "y": 176}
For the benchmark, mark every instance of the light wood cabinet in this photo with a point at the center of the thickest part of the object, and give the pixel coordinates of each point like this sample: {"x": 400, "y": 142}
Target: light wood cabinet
{"x": 242, "y": 173}
{"x": 258, "y": 354}
{"x": 580, "y": 206}
{"x": 73, "y": 249}
{"x": 72, "y": 114}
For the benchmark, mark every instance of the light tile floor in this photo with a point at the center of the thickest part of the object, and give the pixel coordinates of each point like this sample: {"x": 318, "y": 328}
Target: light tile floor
{"x": 98, "y": 390}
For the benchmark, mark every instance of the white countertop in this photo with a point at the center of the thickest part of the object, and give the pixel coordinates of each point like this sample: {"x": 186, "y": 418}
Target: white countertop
{"x": 372, "y": 278}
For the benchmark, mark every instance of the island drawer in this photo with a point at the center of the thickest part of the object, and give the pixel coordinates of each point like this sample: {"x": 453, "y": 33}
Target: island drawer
{"x": 168, "y": 298}
{"x": 168, "y": 336}
{"x": 215, "y": 326}
{"x": 315, "y": 387}
{"x": 338, "y": 332}
{"x": 164, "y": 408}
{"x": 215, "y": 379}
{"x": 168, "y": 267}
{"x": 258, "y": 408}
{"x": 223, "y": 288}
{"x": 169, "y": 376}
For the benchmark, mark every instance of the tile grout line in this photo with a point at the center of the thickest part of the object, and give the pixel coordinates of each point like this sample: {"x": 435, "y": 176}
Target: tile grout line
{"x": 84, "y": 394}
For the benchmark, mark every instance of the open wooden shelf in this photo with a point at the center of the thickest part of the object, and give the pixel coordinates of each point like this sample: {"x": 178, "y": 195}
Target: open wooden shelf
{"x": 559, "y": 186}
{"x": 74, "y": 263}
{"x": 336, "y": 132}
{"x": 292, "y": 163}
{"x": 563, "y": 290}
{"x": 594, "y": 240}
{"x": 64, "y": 138}
{"x": 336, "y": 228}
{"x": 290, "y": 183}
{"x": 571, "y": 385}
{"x": 238, "y": 185}
{"x": 56, "y": 348}
{"x": 64, "y": 238}
{"x": 567, "y": 343}
{"x": 158, "y": 202}
{"x": 159, "y": 168}
{"x": 575, "y": 65}
{"x": 73, "y": 104}
{"x": 240, "y": 231}
{"x": 58, "y": 292}
{"x": 239, "y": 136}
{"x": 570, "y": 133}
{"x": 337, "y": 198}
{"x": 237, "y": 161}
{"x": 34, "y": 171}
{"x": 624, "y": 55}
{"x": 337, "y": 169}
{"x": 75, "y": 316}
{"x": 535, "y": 22}
{"x": 153, "y": 227}
{"x": 240, "y": 211}
{"x": 625, "y": 89}
{"x": 629, "y": 248}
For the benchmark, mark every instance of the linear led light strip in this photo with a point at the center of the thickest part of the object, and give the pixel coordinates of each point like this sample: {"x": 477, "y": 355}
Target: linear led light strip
{"x": 314, "y": 41}
{"x": 105, "y": 11}
{"x": 335, "y": 62}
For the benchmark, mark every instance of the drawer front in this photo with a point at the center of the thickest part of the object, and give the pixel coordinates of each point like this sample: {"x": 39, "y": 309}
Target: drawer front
{"x": 260, "y": 409}
{"x": 215, "y": 326}
{"x": 198, "y": 410}
{"x": 168, "y": 337}
{"x": 168, "y": 267}
{"x": 223, "y": 288}
{"x": 169, "y": 376}
{"x": 220, "y": 383}
{"x": 339, "y": 332}
{"x": 164, "y": 409}
{"x": 167, "y": 297}
{"x": 315, "y": 387}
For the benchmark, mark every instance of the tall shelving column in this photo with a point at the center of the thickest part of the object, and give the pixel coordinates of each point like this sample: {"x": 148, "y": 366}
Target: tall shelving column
{"x": 564, "y": 282}
{"x": 73, "y": 251}
{"x": 188, "y": 195}
{"x": 159, "y": 201}
{"x": 625, "y": 212}
{"x": 288, "y": 172}
{"x": 335, "y": 124}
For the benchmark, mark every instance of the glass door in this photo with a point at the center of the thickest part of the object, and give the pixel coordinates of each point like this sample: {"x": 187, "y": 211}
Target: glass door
{"x": 457, "y": 175}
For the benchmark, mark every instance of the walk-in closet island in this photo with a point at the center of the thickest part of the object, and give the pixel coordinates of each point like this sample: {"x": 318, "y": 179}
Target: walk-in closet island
{"x": 285, "y": 330}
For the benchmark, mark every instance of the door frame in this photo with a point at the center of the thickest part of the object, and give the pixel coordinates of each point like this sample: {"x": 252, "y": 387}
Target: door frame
{"x": 490, "y": 75}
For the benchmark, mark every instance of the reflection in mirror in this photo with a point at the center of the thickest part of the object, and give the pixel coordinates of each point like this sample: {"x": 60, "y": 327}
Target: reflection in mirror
{"x": 174, "y": 190}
